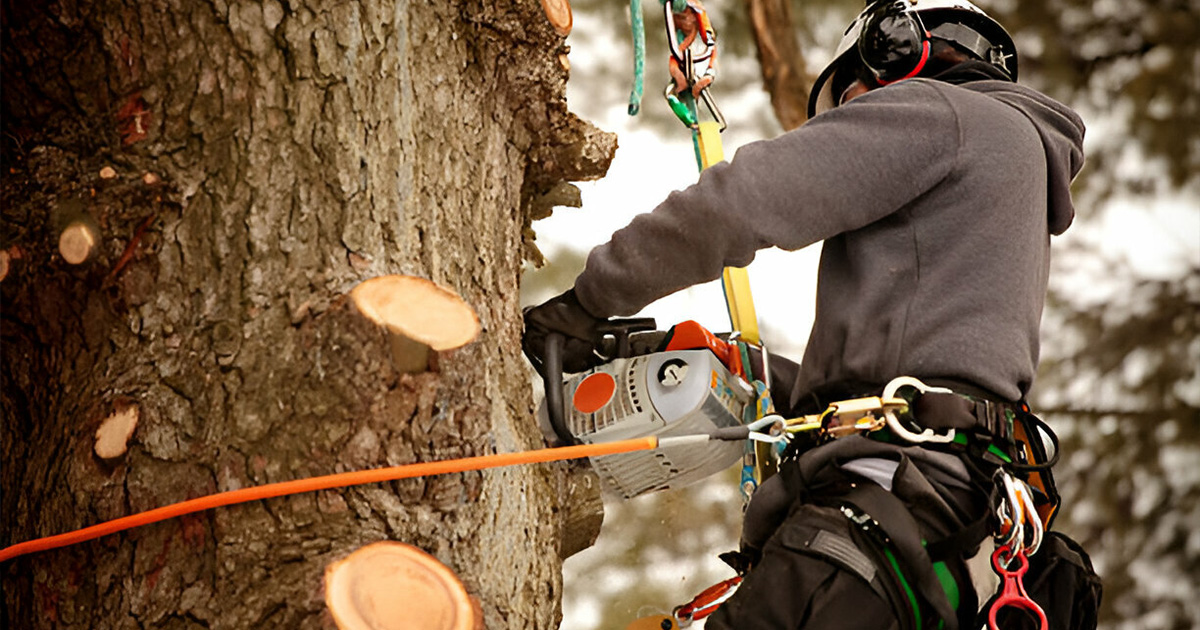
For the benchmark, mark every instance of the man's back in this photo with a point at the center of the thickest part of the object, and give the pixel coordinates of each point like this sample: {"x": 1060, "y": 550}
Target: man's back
{"x": 950, "y": 285}
{"x": 933, "y": 202}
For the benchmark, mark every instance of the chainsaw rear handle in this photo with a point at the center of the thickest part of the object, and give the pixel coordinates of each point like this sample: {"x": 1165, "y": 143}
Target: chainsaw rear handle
{"x": 552, "y": 379}
{"x": 552, "y": 369}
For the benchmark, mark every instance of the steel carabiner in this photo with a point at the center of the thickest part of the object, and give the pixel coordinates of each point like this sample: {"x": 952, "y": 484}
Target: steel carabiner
{"x": 1031, "y": 517}
{"x": 1011, "y": 513}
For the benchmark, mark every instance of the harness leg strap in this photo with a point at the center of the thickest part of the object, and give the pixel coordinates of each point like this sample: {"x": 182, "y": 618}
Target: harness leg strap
{"x": 905, "y": 536}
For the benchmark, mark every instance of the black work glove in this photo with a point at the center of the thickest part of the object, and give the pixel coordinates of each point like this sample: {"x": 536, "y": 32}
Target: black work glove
{"x": 565, "y": 315}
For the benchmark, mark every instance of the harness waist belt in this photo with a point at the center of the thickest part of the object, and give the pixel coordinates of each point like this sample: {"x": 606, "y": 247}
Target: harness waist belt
{"x": 940, "y": 411}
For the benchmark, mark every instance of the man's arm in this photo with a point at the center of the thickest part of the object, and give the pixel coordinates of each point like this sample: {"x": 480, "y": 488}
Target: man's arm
{"x": 841, "y": 171}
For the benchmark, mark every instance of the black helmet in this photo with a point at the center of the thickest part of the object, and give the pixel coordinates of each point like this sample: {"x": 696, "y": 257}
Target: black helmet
{"x": 889, "y": 41}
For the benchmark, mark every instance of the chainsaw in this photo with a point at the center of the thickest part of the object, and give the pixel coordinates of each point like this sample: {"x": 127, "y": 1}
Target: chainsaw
{"x": 685, "y": 381}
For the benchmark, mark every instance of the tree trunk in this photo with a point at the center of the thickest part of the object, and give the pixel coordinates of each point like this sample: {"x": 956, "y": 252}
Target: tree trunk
{"x": 784, "y": 77}
{"x": 265, "y": 158}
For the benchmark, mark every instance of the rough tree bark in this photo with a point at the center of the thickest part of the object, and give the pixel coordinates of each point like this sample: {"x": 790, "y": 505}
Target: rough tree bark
{"x": 265, "y": 158}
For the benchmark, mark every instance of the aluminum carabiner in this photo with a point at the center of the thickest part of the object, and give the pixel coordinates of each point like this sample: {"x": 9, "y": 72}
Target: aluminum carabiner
{"x": 928, "y": 435}
{"x": 1011, "y": 512}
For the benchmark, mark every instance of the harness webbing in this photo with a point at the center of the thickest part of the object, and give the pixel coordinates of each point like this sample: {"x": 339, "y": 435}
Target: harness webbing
{"x": 735, "y": 281}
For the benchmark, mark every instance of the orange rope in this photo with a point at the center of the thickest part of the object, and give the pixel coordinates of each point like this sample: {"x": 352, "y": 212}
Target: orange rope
{"x": 326, "y": 482}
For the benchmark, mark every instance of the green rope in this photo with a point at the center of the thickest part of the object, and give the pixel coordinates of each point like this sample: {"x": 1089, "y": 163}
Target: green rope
{"x": 639, "y": 56}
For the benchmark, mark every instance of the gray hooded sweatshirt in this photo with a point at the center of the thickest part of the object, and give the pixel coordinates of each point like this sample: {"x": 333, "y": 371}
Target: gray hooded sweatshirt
{"x": 935, "y": 203}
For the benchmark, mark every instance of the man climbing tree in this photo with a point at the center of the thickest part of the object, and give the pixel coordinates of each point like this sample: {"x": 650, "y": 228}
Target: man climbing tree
{"x": 935, "y": 183}
{"x": 190, "y": 190}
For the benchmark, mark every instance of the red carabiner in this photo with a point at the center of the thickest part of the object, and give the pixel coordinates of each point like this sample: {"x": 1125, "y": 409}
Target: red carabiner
{"x": 1013, "y": 595}
{"x": 707, "y": 602}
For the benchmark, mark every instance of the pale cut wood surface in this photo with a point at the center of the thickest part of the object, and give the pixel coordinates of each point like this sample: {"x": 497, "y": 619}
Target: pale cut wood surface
{"x": 418, "y": 309}
{"x": 393, "y": 586}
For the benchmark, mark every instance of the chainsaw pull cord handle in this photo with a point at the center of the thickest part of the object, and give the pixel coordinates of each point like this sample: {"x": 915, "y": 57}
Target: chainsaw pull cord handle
{"x": 552, "y": 379}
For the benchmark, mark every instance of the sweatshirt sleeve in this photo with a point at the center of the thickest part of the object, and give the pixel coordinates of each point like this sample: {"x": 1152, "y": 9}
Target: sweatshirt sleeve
{"x": 842, "y": 170}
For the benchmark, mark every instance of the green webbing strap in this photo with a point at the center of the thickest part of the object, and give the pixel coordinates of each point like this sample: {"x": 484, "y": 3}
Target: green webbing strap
{"x": 908, "y": 590}
{"x": 639, "y": 56}
{"x": 949, "y": 584}
{"x": 904, "y": 539}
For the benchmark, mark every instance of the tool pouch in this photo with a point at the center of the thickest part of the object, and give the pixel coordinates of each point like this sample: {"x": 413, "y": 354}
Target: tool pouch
{"x": 1062, "y": 581}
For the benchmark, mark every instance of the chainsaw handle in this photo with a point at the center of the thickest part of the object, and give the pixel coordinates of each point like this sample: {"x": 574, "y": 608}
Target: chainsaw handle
{"x": 552, "y": 380}
{"x": 552, "y": 367}
{"x": 620, "y": 330}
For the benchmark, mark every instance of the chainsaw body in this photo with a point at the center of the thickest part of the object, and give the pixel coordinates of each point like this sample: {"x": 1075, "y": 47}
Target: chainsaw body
{"x": 678, "y": 392}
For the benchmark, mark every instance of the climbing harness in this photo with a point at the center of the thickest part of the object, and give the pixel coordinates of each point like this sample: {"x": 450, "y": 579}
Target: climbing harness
{"x": 926, "y": 575}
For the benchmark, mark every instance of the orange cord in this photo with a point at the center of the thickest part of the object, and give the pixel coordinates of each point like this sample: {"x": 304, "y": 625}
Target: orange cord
{"x": 326, "y": 482}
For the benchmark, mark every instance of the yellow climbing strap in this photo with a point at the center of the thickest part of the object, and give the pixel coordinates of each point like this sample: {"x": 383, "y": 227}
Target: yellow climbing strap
{"x": 735, "y": 280}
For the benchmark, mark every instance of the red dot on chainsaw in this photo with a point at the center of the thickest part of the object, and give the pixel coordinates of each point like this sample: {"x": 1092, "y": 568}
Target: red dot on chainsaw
{"x": 594, "y": 392}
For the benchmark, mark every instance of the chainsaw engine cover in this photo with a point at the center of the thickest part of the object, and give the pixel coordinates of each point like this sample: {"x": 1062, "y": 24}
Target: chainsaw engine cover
{"x": 683, "y": 392}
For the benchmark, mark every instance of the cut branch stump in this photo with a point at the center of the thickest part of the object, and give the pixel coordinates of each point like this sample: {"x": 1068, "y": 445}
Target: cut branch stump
{"x": 393, "y": 586}
{"x": 559, "y": 14}
{"x": 421, "y": 317}
{"x": 77, "y": 242}
{"x": 112, "y": 437}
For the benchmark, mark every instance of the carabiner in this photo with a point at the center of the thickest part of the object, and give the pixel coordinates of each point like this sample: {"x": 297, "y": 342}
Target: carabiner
{"x": 928, "y": 435}
{"x": 893, "y": 386}
{"x": 1012, "y": 510}
{"x": 1031, "y": 516}
{"x": 679, "y": 108}
{"x": 713, "y": 109}
{"x": 707, "y": 602}
{"x": 1013, "y": 594}
{"x": 1017, "y": 511}
{"x": 768, "y": 429}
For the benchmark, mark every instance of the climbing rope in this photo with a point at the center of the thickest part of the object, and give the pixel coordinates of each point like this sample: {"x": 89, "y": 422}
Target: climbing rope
{"x": 639, "y": 56}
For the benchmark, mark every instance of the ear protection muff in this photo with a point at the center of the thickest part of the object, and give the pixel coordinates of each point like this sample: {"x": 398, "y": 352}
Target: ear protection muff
{"x": 893, "y": 43}
{"x": 888, "y": 41}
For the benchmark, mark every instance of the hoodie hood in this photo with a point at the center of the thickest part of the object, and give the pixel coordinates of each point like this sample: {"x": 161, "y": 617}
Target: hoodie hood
{"x": 1061, "y": 131}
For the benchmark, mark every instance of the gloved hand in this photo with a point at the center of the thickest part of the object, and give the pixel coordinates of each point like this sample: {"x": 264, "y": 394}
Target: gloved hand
{"x": 565, "y": 315}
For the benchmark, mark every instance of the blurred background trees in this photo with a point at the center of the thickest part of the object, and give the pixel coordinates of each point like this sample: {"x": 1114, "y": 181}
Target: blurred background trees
{"x": 1119, "y": 378}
